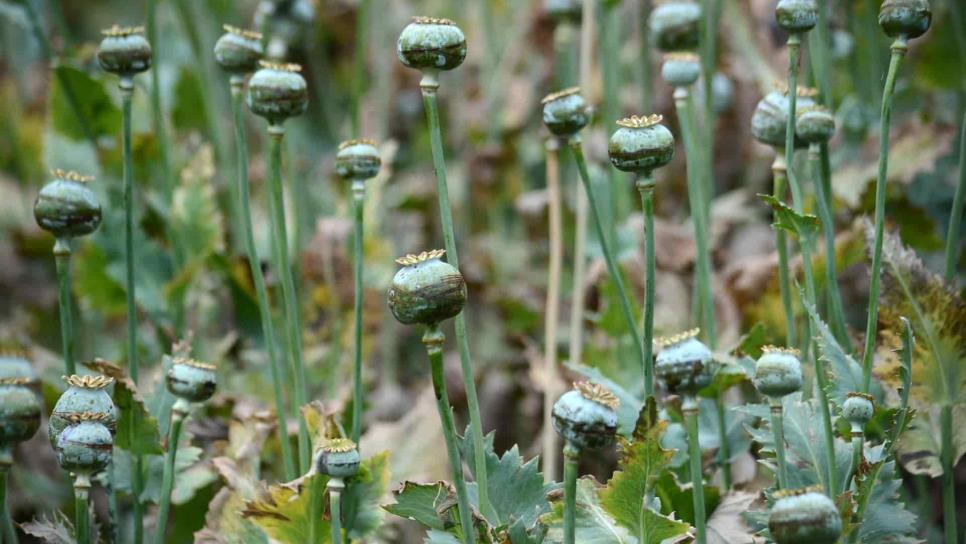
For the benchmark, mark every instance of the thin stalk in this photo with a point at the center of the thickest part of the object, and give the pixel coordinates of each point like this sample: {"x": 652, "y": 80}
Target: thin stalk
{"x": 433, "y": 340}
{"x": 690, "y": 409}
{"x": 9, "y": 533}
{"x": 429, "y": 86}
{"x": 784, "y": 281}
{"x": 836, "y": 314}
{"x": 62, "y": 259}
{"x": 571, "y": 457}
{"x": 645, "y": 74}
{"x": 610, "y": 40}
{"x": 821, "y": 55}
{"x": 724, "y": 450}
{"x": 707, "y": 43}
{"x": 178, "y": 413}
{"x": 316, "y": 491}
{"x": 552, "y": 308}
{"x": 956, "y": 214}
{"x": 778, "y": 431}
{"x": 358, "y": 205}
{"x": 359, "y": 66}
{"x": 857, "y": 440}
{"x": 289, "y": 300}
{"x": 899, "y": 48}
{"x": 646, "y": 365}
{"x": 335, "y": 508}
{"x": 645, "y": 185}
{"x": 576, "y": 344}
{"x": 82, "y": 523}
{"x": 947, "y": 455}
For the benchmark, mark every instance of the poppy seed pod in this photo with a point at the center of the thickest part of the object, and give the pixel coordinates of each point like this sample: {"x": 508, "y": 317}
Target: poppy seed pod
{"x": 804, "y": 516}
{"x": 277, "y": 91}
{"x": 857, "y": 409}
{"x": 238, "y": 51}
{"x": 358, "y": 160}
{"x": 86, "y": 394}
{"x": 66, "y": 207}
{"x": 431, "y": 43}
{"x": 674, "y": 25}
{"x": 722, "y": 92}
{"x": 815, "y": 124}
{"x": 338, "y": 458}
{"x": 641, "y": 144}
{"x": 14, "y": 364}
{"x": 426, "y": 290}
{"x": 683, "y": 364}
{"x": 86, "y": 445}
{"x": 908, "y": 18}
{"x": 586, "y": 416}
{"x": 124, "y": 51}
{"x": 768, "y": 122}
{"x": 565, "y": 112}
{"x": 681, "y": 69}
{"x": 569, "y": 11}
{"x": 191, "y": 380}
{"x": 778, "y": 372}
{"x": 19, "y": 412}
{"x": 796, "y": 16}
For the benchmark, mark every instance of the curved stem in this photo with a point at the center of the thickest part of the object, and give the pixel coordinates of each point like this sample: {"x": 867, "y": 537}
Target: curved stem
{"x": 433, "y": 340}
{"x": 784, "y": 282}
{"x": 335, "y": 508}
{"x": 856, "y": 457}
{"x": 898, "y": 52}
{"x": 824, "y": 205}
{"x": 956, "y": 214}
{"x": 571, "y": 457}
{"x": 947, "y": 455}
{"x": 645, "y": 185}
{"x": 690, "y": 409}
{"x": 358, "y": 206}
{"x": 82, "y": 524}
{"x": 9, "y": 533}
{"x": 289, "y": 300}
{"x": 178, "y": 414}
{"x": 578, "y": 151}
{"x": 62, "y": 260}
{"x": 552, "y": 309}
{"x": 429, "y": 85}
{"x": 778, "y": 431}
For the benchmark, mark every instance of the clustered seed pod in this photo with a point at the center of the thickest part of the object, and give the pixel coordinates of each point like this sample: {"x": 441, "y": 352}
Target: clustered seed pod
{"x": 674, "y": 25}
{"x": 426, "y": 290}
{"x": 431, "y": 43}
{"x": 20, "y": 409}
{"x": 358, "y": 160}
{"x": 684, "y": 364}
{"x": 586, "y": 416}
{"x": 565, "y": 112}
{"x": 907, "y": 18}
{"x": 15, "y": 364}
{"x": 338, "y": 458}
{"x": 238, "y": 51}
{"x": 681, "y": 69}
{"x": 722, "y": 92}
{"x": 857, "y": 410}
{"x": 804, "y": 516}
{"x": 124, "y": 51}
{"x": 814, "y": 124}
{"x": 86, "y": 445}
{"x": 560, "y": 11}
{"x": 86, "y": 394}
{"x": 641, "y": 144}
{"x": 768, "y": 123}
{"x": 191, "y": 380}
{"x": 796, "y": 16}
{"x": 66, "y": 207}
{"x": 778, "y": 372}
{"x": 277, "y": 91}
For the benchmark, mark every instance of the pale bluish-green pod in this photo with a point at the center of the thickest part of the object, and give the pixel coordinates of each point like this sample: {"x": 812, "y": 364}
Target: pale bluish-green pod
{"x": 338, "y": 458}
{"x": 641, "y": 144}
{"x": 238, "y": 51}
{"x": 565, "y": 112}
{"x": 804, "y": 516}
{"x": 815, "y": 124}
{"x": 722, "y": 92}
{"x": 86, "y": 394}
{"x": 124, "y": 51}
{"x": 857, "y": 409}
{"x": 426, "y": 290}
{"x": 796, "y": 16}
{"x": 66, "y": 207}
{"x": 564, "y": 10}
{"x": 768, "y": 122}
{"x": 16, "y": 364}
{"x": 674, "y": 25}
{"x": 86, "y": 445}
{"x": 681, "y": 69}
{"x": 358, "y": 160}
{"x": 277, "y": 91}
{"x": 586, "y": 417}
{"x": 854, "y": 117}
{"x": 684, "y": 364}
{"x": 431, "y": 43}
{"x": 907, "y": 18}
{"x": 191, "y": 380}
{"x": 19, "y": 412}
{"x": 778, "y": 372}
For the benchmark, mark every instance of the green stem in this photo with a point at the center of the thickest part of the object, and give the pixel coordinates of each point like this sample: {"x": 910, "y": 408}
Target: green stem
{"x": 433, "y": 340}
{"x": 258, "y": 277}
{"x": 552, "y": 317}
{"x": 824, "y": 206}
{"x": 646, "y": 365}
{"x": 645, "y": 185}
{"x": 947, "y": 455}
{"x": 429, "y": 86}
{"x": 784, "y": 281}
{"x": 724, "y": 450}
{"x": 82, "y": 525}
{"x": 358, "y": 205}
{"x": 178, "y": 414}
{"x": 778, "y": 431}
{"x": 316, "y": 490}
{"x": 289, "y": 300}
{"x": 610, "y": 40}
{"x": 571, "y": 458}
{"x": 820, "y": 54}
{"x": 694, "y": 454}
{"x": 62, "y": 259}
{"x": 899, "y": 48}
{"x": 576, "y": 344}
{"x": 645, "y": 75}
{"x": 9, "y": 532}
{"x": 359, "y": 66}
{"x": 956, "y": 214}
{"x": 857, "y": 440}
{"x": 335, "y": 508}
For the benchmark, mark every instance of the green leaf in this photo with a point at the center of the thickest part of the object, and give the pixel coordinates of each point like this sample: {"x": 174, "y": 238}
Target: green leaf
{"x": 726, "y": 375}
{"x": 94, "y": 287}
{"x": 845, "y": 375}
{"x": 100, "y": 114}
{"x": 803, "y": 225}
{"x": 360, "y": 501}
{"x": 188, "y": 111}
{"x": 282, "y": 511}
{"x": 885, "y": 518}
{"x": 709, "y": 436}
{"x": 517, "y": 490}
{"x": 593, "y": 524}
{"x": 752, "y": 341}
{"x": 678, "y": 499}
{"x": 137, "y": 430}
{"x": 195, "y": 217}
{"x": 423, "y": 503}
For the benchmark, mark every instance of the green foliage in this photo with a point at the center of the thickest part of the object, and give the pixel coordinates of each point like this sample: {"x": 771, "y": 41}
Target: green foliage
{"x": 363, "y": 494}
{"x": 189, "y": 111}
{"x": 282, "y": 512}
{"x": 885, "y": 518}
{"x": 806, "y": 226}
{"x": 137, "y": 430}
{"x": 629, "y": 407}
{"x": 594, "y": 525}
{"x": 845, "y": 374}
{"x": 100, "y": 114}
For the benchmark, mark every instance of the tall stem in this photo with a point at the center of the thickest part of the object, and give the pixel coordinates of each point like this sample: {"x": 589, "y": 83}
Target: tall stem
{"x": 724, "y": 449}
{"x": 645, "y": 75}
{"x": 576, "y": 344}
{"x": 857, "y": 440}
{"x": 956, "y": 214}
{"x": 781, "y": 244}
{"x": 335, "y": 508}
{"x": 947, "y": 455}
{"x": 359, "y": 65}
{"x": 778, "y": 431}
{"x": 433, "y": 340}
{"x": 258, "y": 277}
{"x": 571, "y": 457}
{"x": 82, "y": 524}
{"x": 9, "y": 533}
{"x": 645, "y": 185}
{"x": 690, "y": 410}
{"x": 429, "y": 86}
{"x": 358, "y": 206}
{"x": 316, "y": 491}
{"x": 157, "y": 116}
{"x": 552, "y": 308}
{"x": 178, "y": 413}
{"x": 824, "y": 206}
{"x": 899, "y": 48}
{"x": 289, "y": 300}
{"x": 62, "y": 259}
{"x": 615, "y": 273}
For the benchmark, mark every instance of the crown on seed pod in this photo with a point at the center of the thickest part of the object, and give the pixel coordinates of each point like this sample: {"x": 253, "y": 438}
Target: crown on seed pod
{"x": 338, "y": 458}
{"x": 277, "y": 91}
{"x": 86, "y": 445}
{"x": 238, "y": 51}
{"x": 85, "y": 394}
{"x": 814, "y": 124}
{"x": 358, "y": 159}
{"x": 778, "y": 372}
{"x": 191, "y": 380}
{"x": 431, "y": 43}
{"x": 124, "y": 51}
{"x": 19, "y": 411}
{"x": 565, "y": 112}
{"x": 796, "y": 16}
{"x": 681, "y": 68}
{"x": 908, "y": 18}
{"x": 15, "y": 364}
{"x": 768, "y": 122}
{"x": 426, "y": 289}
{"x": 641, "y": 144}
{"x": 857, "y": 409}
{"x": 586, "y": 416}
{"x": 66, "y": 207}
{"x": 804, "y": 516}
{"x": 684, "y": 363}
{"x": 674, "y": 25}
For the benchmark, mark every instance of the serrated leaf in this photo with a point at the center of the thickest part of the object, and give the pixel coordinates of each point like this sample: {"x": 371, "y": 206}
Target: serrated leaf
{"x": 360, "y": 501}
{"x": 423, "y": 503}
{"x": 282, "y": 511}
{"x": 678, "y": 499}
{"x": 885, "y": 518}
{"x": 516, "y": 488}
{"x": 195, "y": 217}
{"x": 55, "y": 530}
{"x": 845, "y": 375}
{"x": 137, "y": 430}
{"x": 593, "y": 524}
{"x": 803, "y": 225}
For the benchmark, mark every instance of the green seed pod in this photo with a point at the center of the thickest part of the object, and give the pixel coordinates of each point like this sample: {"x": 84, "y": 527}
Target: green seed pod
{"x": 722, "y": 93}
{"x": 66, "y": 207}
{"x": 191, "y": 380}
{"x": 681, "y": 69}
{"x": 804, "y": 516}
{"x": 358, "y": 159}
{"x": 857, "y": 409}
{"x": 338, "y": 458}
{"x": 674, "y": 25}
{"x": 15, "y": 364}
{"x": 431, "y": 43}
{"x": 586, "y": 417}
{"x": 908, "y": 18}
{"x": 19, "y": 412}
{"x": 238, "y": 51}
{"x": 814, "y": 124}
{"x": 124, "y": 51}
{"x": 641, "y": 144}
{"x": 86, "y": 445}
{"x": 778, "y": 372}
{"x": 426, "y": 290}
{"x": 768, "y": 123}
{"x": 561, "y": 11}
{"x": 854, "y": 117}
{"x": 565, "y": 112}
{"x": 683, "y": 364}
{"x": 86, "y": 394}
{"x": 796, "y": 16}
{"x": 277, "y": 91}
